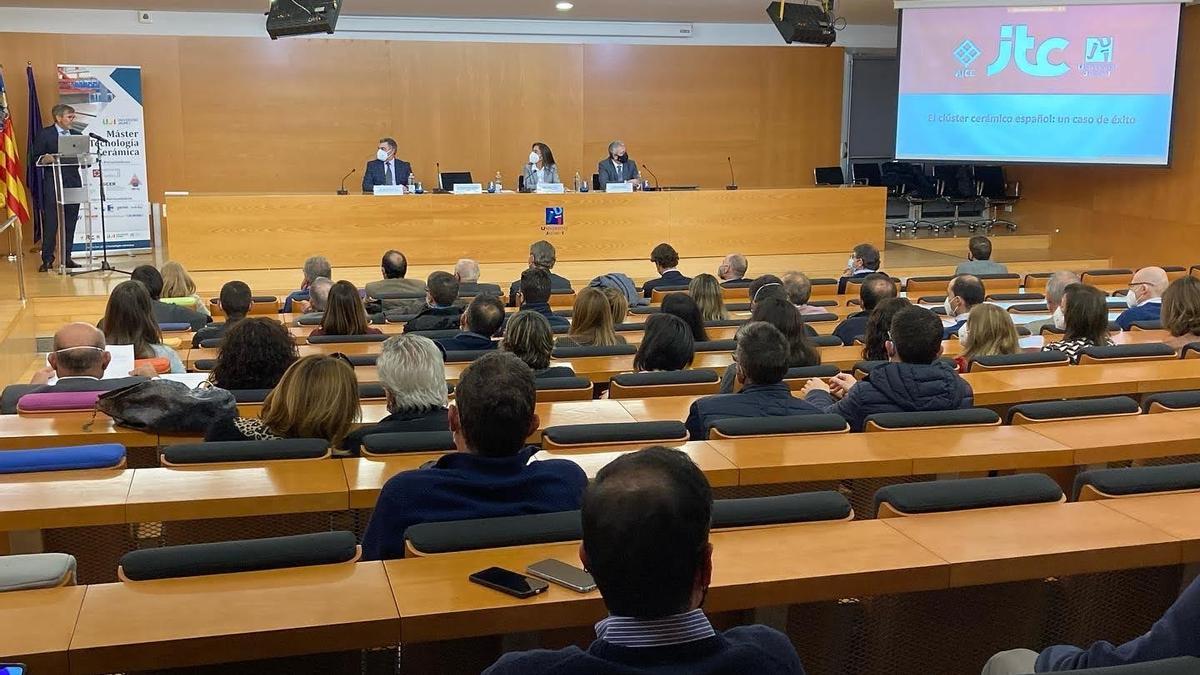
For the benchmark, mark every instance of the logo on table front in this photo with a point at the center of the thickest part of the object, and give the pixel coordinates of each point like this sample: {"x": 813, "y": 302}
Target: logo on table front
{"x": 1098, "y": 57}
{"x": 966, "y": 53}
{"x": 1015, "y": 45}
{"x": 555, "y": 223}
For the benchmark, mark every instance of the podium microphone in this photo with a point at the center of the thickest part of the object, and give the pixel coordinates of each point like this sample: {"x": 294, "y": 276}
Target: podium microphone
{"x": 732, "y": 183}
{"x": 342, "y": 190}
{"x": 651, "y": 172}
{"x": 98, "y": 138}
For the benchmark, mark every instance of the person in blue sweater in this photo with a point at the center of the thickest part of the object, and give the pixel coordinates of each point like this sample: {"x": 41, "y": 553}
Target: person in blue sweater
{"x": 1177, "y": 633}
{"x": 646, "y": 520}
{"x": 1144, "y": 298}
{"x": 914, "y": 380}
{"x": 491, "y": 474}
{"x": 761, "y": 361}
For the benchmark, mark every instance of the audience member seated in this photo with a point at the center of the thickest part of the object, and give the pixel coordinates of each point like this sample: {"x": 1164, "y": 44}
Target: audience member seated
{"x": 705, "y": 290}
{"x": 760, "y": 363}
{"x": 684, "y": 307}
{"x": 874, "y": 289}
{"x": 314, "y": 268}
{"x": 1084, "y": 321}
{"x": 732, "y": 271}
{"x": 467, "y": 273}
{"x": 236, "y": 301}
{"x": 1177, "y": 633}
{"x": 129, "y": 320}
{"x": 1144, "y": 297}
{"x": 1181, "y": 312}
{"x": 618, "y": 303}
{"x": 528, "y": 337}
{"x": 963, "y": 293}
{"x": 254, "y": 354}
{"x": 165, "y": 312}
{"x": 646, "y": 521}
{"x": 1056, "y": 285}
{"x": 864, "y": 260}
{"x": 766, "y": 286}
{"x": 878, "y": 324}
{"x": 534, "y": 296}
{"x": 592, "y": 321}
{"x": 666, "y": 345}
{"x": 78, "y": 361}
{"x": 490, "y": 476}
{"x": 317, "y": 397}
{"x": 798, "y": 287}
{"x": 989, "y": 331}
{"x": 665, "y": 261}
{"x": 414, "y": 383}
{"x": 345, "y": 314}
{"x": 440, "y": 312}
{"x": 782, "y": 315}
{"x": 979, "y": 259}
{"x": 481, "y": 321}
{"x": 542, "y": 256}
{"x": 394, "y": 267}
{"x": 914, "y": 381}
{"x": 177, "y": 283}
{"x": 318, "y": 299}
{"x": 620, "y": 282}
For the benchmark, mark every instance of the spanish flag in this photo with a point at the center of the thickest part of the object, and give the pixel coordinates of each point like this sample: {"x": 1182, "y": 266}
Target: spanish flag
{"x": 13, "y": 197}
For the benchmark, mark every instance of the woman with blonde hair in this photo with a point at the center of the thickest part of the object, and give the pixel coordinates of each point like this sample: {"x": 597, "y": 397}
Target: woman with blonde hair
{"x": 317, "y": 397}
{"x": 591, "y": 322}
{"x": 706, "y": 291}
{"x": 1181, "y": 311}
{"x": 618, "y": 303}
{"x": 527, "y": 335}
{"x": 177, "y": 283}
{"x": 989, "y": 332}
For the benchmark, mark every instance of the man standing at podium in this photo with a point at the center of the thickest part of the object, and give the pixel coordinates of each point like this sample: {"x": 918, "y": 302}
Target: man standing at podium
{"x": 45, "y": 146}
{"x": 385, "y": 169}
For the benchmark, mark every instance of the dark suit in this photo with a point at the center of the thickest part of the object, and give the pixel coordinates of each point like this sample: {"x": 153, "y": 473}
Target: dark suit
{"x": 470, "y": 289}
{"x": 373, "y": 175}
{"x": 557, "y": 284}
{"x": 399, "y": 422}
{"x": 13, "y": 392}
{"x": 737, "y": 283}
{"x": 668, "y": 279}
{"x": 465, "y": 342}
{"x": 435, "y": 318}
{"x": 610, "y": 174}
{"x": 755, "y": 400}
{"x": 165, "y": 312}
{"x": 46, "y": 143}
{"x": 851, "y": 327}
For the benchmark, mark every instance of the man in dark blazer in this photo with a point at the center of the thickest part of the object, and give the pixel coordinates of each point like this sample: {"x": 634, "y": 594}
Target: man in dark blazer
{"x": 617, "y": 167}
{"x": 480, "y": 322}
{"x": 78, "y": 359}
{"x": 467, "y": 273}
{"x": 542, "y": 255}
{"x": 165, "y": 312}
{"x": 665, "y": 260}
{"x": 45, "y": 145}
{"x": 385, "y": 169}
{"x": 440, "y": 312}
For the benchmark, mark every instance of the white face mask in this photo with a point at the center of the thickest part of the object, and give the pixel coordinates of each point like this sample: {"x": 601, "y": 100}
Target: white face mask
{"x": 850, "y": 263}
{"x": 1060, "y": 321}
{"x": 949, "y": 308}
{"x": 962, "y": 335}
{"x": 381, "y": 155}
{"x": 534, "y": 157}
{"x": 1131, "y": 299}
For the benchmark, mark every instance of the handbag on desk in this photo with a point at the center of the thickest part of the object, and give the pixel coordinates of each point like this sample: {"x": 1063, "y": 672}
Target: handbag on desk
{"x": 163, "y": 406}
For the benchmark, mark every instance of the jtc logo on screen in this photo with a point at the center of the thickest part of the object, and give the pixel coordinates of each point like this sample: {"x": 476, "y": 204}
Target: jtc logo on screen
{"x": 1049, "y": 59}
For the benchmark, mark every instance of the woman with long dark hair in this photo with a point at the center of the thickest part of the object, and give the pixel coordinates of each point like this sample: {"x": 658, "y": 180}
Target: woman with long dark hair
{"x": 540, "y": 168}
{"x": 344, "y": 313}
{"x": 878, "y": 323}
{"x": 1085, "y": 321}
{"x": 129, "y": 320}
{"x": 782, "y": 314}
{"x": 683, "y": 306}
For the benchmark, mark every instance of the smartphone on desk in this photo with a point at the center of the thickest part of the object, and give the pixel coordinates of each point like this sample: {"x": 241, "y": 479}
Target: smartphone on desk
{"x": 507, "y": 581}
{"x": 12, "y": 669}
{"x": 561, "y": 573}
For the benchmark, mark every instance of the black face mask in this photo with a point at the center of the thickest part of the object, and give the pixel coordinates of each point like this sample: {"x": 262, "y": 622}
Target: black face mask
{"x": 622, "y": 158}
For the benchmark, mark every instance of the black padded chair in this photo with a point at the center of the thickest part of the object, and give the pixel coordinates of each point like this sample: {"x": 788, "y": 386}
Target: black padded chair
{"x": 1050, "y": 411}
{"x": 995, "y": 192}
{"x": 802, "y": 507}
{"x": 211, "y": 343}
{"x": 581, "y": 352}
{"x": 483, "y": 533}
{"x": 737, "y": 306}
{"x": 716, "y": 346}
{"x": 614, "y": 433}
{"x": 563, "y": 389}
{"x": 396, "y": 316}
{"x": 1170, "y": 401}
{"x": 966, "y": 493}
{"x": 1190, "y": 351}
{"x": 344, "y": 339}
{"x": 436, "y": 334}
{"x": 1015, "y": 297}
{"x": 466, "y": 356}
{"x": 718, "y": 323}
{"x": 204, "y": 365}
{"x": 408, "y": 441}
{"x": 827, "y": 341}
{"x": 900, "y": 421}
{"x": 244, "y": 451}
{"x": 786, "y": 425}
{"x": 1136, "y": 480}
{"x": 867, "y": 173}
{"x": 309, "y": 320}
{"x": 697, "y": 382}
{"x": 1019, "y": 360}
{"x": 829, "y": 176}
{"x": 816, "y": 318}
{"x": 808, "y": 372}
{"x": 1029, "y": 308}
{"x": 193, "y": 560}
{"x": 363, "y": 360}
{"x": 1150, "y": 351}
{"x": 646, "y": 310}
{"x": 366, "y": 392}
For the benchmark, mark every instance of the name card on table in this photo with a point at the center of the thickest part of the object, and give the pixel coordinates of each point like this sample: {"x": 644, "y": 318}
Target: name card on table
{"x": 618, "y": 187}
{"x": 468, "y": 188}
{"x": 550, "y": 189}
{"x": 389, "y": 190}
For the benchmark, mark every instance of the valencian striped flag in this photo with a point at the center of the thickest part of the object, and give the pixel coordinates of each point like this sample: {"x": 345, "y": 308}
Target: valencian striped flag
{"x": 12, "y": 178}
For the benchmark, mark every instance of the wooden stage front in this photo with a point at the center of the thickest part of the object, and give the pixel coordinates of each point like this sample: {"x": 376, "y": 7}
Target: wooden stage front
{"x": 255, "y": 231}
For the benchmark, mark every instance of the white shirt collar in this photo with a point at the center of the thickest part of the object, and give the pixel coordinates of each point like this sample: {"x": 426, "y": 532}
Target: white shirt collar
{"x": 1150, "y": 301}
{"x": 673, "y": 269}
{"x": 61, "y": 131}
{"x": 78, "y": 377}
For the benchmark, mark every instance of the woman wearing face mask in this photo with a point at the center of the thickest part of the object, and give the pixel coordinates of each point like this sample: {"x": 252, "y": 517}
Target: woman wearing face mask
{"x": 541, "y": 167}
{"x": 617, "y": 167}
{"x": 989, "y": 331}
{"x": 1084, "y": 320}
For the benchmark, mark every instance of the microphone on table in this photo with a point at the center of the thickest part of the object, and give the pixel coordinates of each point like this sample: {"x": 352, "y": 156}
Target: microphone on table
{"x": 732, "y": 182}
{"x": 438, "y": 168}
{"x": 651, "y": 172}
{"x": 98, "y": 138}
{"x": 342, "y": 190}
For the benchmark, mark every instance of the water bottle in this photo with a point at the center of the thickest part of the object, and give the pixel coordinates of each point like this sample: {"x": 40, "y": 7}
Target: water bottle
{"x": 499, "y": 183}
{"x": 420, "y": 188}
{"x": 411, "y": 184}
{"x": 491, "y": 187}
{"x": 578, "y": 181}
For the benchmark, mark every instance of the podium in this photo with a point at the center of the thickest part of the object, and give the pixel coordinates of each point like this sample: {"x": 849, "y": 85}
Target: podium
{"x": 65, "y": 196}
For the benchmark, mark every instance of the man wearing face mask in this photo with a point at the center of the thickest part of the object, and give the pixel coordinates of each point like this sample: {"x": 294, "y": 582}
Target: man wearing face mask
{"x": 617, "y": 167}
{"x": 963, "y": 292}
{"x": 864, "y": 260}
{"x": 1056, "y": 285}
{"x": 385, "y": 169}
{"x": 1144, "y": 298}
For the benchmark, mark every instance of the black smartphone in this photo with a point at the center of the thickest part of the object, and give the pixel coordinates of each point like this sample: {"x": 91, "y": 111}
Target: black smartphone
{"x": 507, "y": 581}
{"x": 559, "y": 572}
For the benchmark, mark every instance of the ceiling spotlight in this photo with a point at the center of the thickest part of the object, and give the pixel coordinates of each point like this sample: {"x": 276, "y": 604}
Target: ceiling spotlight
{"x": 564, "y": 6}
